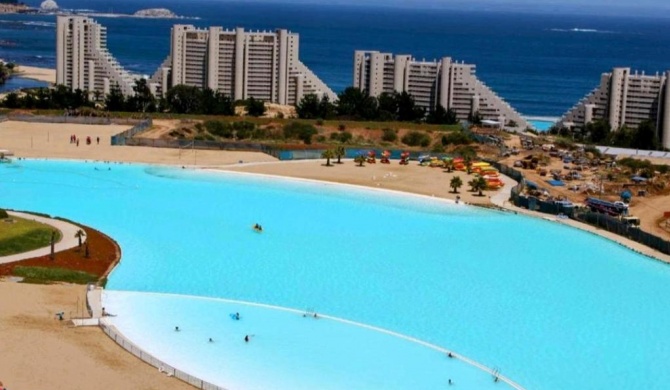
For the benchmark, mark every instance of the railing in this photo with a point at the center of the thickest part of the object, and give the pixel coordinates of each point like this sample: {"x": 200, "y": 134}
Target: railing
{"x": 122, "y": 138}
{"x": 195, "y": 144}
{"x": 278, "y": 152}
{"x": 614, "y": 225}
{"x": 113, "y": 333}
{"x": 82, "y": 120}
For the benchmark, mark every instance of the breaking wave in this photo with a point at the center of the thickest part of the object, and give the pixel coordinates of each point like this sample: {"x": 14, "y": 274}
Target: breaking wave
{"x": 582, "y": 30}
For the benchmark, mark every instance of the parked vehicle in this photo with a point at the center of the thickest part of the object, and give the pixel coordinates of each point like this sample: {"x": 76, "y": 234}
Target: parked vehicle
{"x": 631, "y": 221}
{"x": 602, "y": 206}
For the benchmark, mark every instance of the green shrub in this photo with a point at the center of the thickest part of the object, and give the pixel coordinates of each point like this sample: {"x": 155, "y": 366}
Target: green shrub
{"x": 389, "y": 135}
{"x": 465, "y": 151}
{"x": 345, "y": 137}
{"x": 261, "y": 133}
{"x": 565, "y": 143}
{"x": 321, "y": 138}
{"x": 341, "y": 127}
{"x": 416, "y": 138}
{"x": 437, "y": 148}
{"x": 3, "y": 214}
{"x": 301, "y": 131}
{"x": 456, "y": 138}
{"x": 592, "y": 149}
{"x": 635, "y": 164}
{"x": 255, "y": 107}
{"x": 219, "y": 128}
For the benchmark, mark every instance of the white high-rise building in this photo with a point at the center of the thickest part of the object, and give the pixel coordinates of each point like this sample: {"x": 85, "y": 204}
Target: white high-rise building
{"x": 450, "y": 84}
{"x": 82, "y": 59}
{"x": 238, "y": 63}
{"x": 625, "y": 98}
{"x": 242, "y": 64}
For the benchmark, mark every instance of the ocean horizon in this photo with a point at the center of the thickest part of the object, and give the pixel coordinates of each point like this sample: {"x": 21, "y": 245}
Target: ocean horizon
{"x": 541, "y": 64}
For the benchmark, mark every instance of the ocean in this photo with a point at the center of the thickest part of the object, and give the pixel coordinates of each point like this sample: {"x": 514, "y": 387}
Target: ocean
{"x": 541, "y": 64}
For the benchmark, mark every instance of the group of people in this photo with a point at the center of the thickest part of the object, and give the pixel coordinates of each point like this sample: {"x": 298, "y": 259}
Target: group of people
{"x": 89, "y": 140}
{"x": 235, "y": 316}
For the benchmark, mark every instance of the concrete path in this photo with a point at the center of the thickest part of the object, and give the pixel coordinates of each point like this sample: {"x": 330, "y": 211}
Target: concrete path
{"x": 94, "y": 299}
{"x": 504, "y": 194}
{"x": 67, "y": 241}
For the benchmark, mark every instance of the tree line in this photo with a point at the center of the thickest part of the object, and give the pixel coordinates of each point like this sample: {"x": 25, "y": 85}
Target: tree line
{"x": 181, "y": 99}
{"x": 600, "y": 132}
{"x": 356, "y": 104}
{"x": 352, "y": 104}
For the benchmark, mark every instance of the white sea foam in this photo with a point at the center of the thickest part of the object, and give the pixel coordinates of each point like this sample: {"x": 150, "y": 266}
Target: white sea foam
{"x": 29, "y": 23}
{"x": 41, "y": 24}
{"x": 582, "y": 30}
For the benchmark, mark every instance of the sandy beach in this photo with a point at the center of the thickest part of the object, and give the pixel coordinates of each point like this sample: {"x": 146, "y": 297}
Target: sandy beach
{"x": 34, "y": 73}
{"x": 44, "y": 140}
{"x": 40, "y": 352}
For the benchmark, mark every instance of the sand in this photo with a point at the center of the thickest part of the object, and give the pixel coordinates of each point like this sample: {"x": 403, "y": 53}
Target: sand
{"x": 41, "y": 74}
{"x": 39, "y": 352}
{"x": 52, "y": 140}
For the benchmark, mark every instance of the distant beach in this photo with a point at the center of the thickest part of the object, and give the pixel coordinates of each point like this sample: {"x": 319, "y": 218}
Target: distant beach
{"x": 36, "y": 73}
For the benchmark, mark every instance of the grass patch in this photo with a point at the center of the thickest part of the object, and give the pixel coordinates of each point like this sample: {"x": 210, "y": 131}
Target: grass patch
{"x": 23, "y": 235}
{"x": 373, "y": 125}
{"x": 41, "y": 275}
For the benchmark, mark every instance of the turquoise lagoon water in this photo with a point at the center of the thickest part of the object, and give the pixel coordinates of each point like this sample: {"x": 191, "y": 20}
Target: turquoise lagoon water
{"x": 542, "y": 124}
{"x": 551, "y": 307}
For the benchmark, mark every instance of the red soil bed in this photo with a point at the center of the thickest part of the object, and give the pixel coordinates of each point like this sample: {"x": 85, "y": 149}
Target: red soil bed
{"x": 104, "y": 253}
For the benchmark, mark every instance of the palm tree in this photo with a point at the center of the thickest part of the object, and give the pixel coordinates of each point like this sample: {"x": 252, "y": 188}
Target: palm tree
{"x": 80, "y": 234}
{"x": 449, "y": 164}
{"x": 456, "y": 183}
{"x": 468, "y": 164}
{"x": 339, "y": 153}
{"x": 52, "y": 255}
{"x": 478, "y": 184}
{"x": 360, "y": 160}
{"x": 328, "y": 154}
{"x": 473, "y": 185}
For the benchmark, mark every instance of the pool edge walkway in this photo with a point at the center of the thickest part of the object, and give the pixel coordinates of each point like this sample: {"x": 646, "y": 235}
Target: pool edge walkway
{"x": 67, "y": 241}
